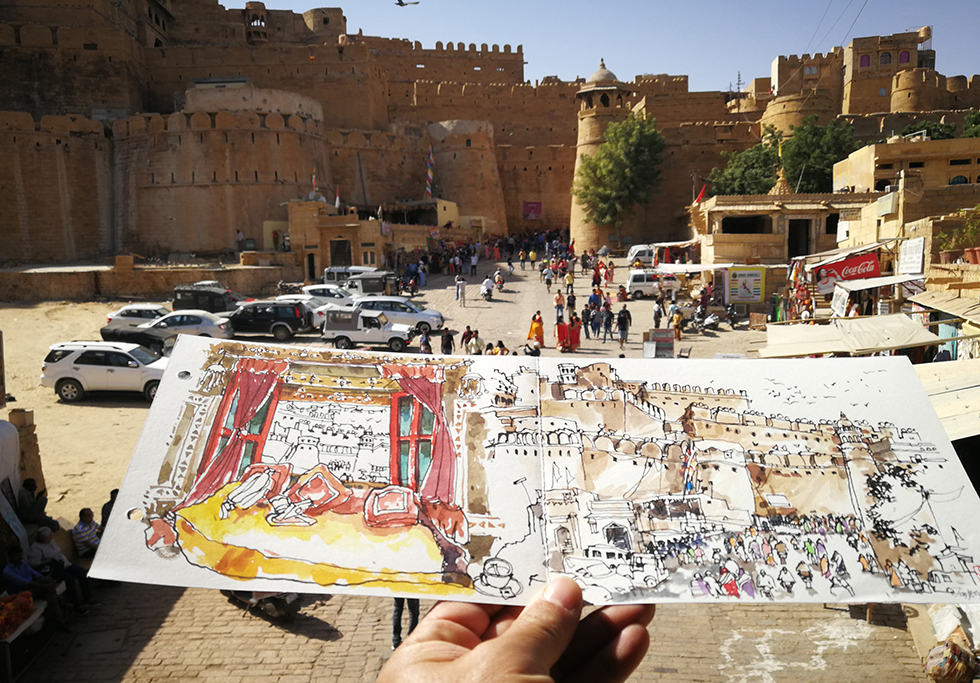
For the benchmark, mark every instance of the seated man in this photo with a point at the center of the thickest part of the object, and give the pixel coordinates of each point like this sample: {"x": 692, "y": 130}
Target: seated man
{"x": 45, "y": 557}
{"x": 31, "y": 504}
{"x": 86, "y": 534}
{"x": 18, "y": 576}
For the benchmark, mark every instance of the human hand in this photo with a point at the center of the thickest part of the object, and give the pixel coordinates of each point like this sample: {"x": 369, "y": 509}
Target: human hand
{"x": 544, "y": 641}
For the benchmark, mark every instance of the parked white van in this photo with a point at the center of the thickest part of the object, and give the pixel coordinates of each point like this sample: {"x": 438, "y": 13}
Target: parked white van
{"x": 641, "y": 283}
{"x": 644, "y": 253}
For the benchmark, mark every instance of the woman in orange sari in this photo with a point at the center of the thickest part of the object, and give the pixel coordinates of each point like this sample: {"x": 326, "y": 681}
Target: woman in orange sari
{"x": 561, "y": 335}
{"x": 537, "y": 329}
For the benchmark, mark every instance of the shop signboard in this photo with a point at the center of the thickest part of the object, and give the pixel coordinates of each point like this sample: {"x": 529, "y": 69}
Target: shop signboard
{"x": 746, "y": 285}
{"x": 854, "y": 268}
{"x": 910, "y": 256}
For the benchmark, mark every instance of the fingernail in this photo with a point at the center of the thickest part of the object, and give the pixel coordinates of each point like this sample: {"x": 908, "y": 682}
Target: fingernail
{"x": 563, "y": 592}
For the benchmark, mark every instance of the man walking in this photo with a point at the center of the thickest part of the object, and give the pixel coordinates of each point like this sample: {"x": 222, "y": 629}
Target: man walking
{"x": 474, "y": 259}
{"x": 623, "y": 322}
{"x": 461, "y": 291}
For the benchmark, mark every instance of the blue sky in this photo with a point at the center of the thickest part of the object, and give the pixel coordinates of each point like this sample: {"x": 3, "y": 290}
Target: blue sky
{"x": 708, "y": 40}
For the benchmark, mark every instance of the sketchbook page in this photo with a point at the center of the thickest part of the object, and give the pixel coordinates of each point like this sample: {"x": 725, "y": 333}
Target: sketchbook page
{"x": 276, "y": 468}
{"x": 790, "y": 480}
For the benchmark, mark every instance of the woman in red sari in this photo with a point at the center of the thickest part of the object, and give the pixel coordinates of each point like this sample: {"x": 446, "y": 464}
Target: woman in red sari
{"x": 561, "y": 334}
{"x": 574, "y": 333}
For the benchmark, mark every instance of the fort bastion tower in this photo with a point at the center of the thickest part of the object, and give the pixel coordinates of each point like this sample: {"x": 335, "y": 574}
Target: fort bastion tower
{"x": 601, "y": 101}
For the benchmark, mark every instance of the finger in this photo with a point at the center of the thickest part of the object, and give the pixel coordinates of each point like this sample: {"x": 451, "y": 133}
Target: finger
{"x": 615, "y": 662}
{"x": 502, "y": 621}
{"x": 537, "y": 638}
{"x": 458, "y": 623}
{"x": 598, "y": 630}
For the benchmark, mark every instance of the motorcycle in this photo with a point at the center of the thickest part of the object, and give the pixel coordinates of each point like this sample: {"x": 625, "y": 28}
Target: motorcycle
{"x": 702, "y": 320}
{"x": 731, "y": 315}
{"x": 278, "y": 606}
{"x": 487, "y": 294}
{"x": 500, "y": 283}
{"x": 283, "y": 287}
{"x": 408, "y": 285}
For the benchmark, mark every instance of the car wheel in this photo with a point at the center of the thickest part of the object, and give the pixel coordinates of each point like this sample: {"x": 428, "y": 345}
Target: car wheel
{"x": 150, "y": 390}
{"x": 397, "y": 345}
{"x": 424, "y": 327}
{"x": 70, "y": 391}
{"x": 637, "y": 295}
{"x": 204, "y": 335}
{"x": 281, "y": 333}
{"x": 343, "y": 343}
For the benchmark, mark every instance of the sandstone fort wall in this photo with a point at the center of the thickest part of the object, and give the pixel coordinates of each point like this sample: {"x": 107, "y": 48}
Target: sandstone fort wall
{"x": 62, "y": 70}
{"x": 55, "y": 189}
{"x": 189, "y": 182}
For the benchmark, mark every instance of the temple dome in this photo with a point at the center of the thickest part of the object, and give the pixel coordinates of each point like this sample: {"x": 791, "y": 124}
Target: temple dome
{"x": 602, "y": 74}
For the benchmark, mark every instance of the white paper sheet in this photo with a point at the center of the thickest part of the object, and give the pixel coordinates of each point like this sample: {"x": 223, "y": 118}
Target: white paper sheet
{"x": 479, "y": 478}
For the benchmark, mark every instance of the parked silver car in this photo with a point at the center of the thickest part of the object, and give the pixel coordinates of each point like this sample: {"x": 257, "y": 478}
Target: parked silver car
{"x": 73, "y": 369}
{"x": 191, "y": 321}
{"x": 399, "y": 309}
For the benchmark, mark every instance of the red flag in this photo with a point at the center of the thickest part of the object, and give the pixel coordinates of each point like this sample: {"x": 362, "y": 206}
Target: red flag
{"x": 700, "y": 194}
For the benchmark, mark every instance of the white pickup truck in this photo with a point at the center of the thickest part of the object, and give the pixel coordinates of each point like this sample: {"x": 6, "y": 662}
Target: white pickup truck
{"x": 348, "y": 327}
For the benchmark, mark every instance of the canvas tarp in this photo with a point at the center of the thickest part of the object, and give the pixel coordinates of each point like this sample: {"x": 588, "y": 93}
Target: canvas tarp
{"x": 846, "y": 335}
{"x": 872, "y": 282}
{"x": 947, "y": 302}
{"x": 954, "y": 390}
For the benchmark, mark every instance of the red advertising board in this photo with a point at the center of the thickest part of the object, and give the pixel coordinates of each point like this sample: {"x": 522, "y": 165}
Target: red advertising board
{"x": 532, "y": 211}
{"x": 854, "y": 268}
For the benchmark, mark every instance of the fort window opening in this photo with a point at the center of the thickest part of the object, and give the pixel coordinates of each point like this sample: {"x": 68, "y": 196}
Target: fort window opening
{"x": 90, "y": 46}
{"x": 326, "y": 20}
{"x": 469, "y": 142}
{"x": 605, "y": 100}
{"x": 830, "y": 224}
{"x": 865, "y": 61}
{"x": 882, "y": 92}
{"x": 886, "y": 58}
{"x": 903, "y": 57}
{"x": 959, "y": 162}
{"x": 959, "y": 180}
{"x": 589, "y": 104}
{"x": 917, "y": 164}
{"x": 746, "y": 225}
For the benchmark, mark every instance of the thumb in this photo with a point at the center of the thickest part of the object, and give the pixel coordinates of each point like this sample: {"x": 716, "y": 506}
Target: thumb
{"x": 539, "y": 636}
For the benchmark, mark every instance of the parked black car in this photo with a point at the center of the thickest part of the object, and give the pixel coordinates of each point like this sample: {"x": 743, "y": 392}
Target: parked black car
{"x": 281, "y": 319}
{"x": 205, "y": 297}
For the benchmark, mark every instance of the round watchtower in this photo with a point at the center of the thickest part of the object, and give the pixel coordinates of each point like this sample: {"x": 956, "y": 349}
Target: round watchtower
{"x": 601, "y": 101}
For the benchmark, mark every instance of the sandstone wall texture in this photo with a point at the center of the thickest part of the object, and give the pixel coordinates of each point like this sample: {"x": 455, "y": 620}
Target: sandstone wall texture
{"x": 55, "y": 189}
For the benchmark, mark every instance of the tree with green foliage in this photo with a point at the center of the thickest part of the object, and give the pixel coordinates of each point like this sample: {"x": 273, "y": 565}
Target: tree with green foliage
{"x": 623, "y": 173}
{"x": 750, "y": 172}
{"x": 971, "y": 125}
{"x": 809, "y": 156}
{"x": 934, "y": 129}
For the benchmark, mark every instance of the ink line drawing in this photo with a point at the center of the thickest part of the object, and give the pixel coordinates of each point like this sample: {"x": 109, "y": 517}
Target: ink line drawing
{"x": 477, "y": 478}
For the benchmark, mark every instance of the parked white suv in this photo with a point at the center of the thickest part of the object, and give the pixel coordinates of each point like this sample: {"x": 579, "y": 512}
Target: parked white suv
{"x": 76, "y": 368}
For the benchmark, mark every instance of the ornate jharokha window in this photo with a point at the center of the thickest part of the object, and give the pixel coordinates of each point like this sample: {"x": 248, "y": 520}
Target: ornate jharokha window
{"x": 411, "y": 439}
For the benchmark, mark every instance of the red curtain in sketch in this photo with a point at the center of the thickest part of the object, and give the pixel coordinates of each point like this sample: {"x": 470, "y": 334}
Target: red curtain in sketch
{"x": 254, "y": 381}
{"x": 424, "y": 384}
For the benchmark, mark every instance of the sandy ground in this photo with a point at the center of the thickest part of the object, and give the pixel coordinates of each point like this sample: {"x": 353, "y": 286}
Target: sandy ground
{"x": 86, "y": 447}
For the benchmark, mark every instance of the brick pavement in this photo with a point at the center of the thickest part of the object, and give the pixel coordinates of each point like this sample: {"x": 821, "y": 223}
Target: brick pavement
{"x": 148, "y": 634}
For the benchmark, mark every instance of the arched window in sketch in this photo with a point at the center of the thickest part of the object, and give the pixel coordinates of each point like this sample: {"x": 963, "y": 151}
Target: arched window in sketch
{"x": 563, "y": 538}
{"x": 411, "y": 438}
{"x": 618, "y": 536}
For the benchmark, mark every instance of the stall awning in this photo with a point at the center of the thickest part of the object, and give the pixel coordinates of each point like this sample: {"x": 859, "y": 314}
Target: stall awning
{"x": 822, "y": 258}
{"x": 872, "y": 282}
{"x": 858, "y": 336}
{"x": 954, "y": 390}
{"x": 947, "y": 302}
{"x": 675, "y": 268}
{"x": 685, "y": 243}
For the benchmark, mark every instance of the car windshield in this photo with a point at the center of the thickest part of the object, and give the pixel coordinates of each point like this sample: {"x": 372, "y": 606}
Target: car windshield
{"x": 144, "y": 355}
{"x": 413, "y": 307}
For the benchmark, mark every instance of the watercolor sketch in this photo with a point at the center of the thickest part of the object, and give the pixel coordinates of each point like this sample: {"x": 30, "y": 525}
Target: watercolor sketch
{"x": 480, "y": 478}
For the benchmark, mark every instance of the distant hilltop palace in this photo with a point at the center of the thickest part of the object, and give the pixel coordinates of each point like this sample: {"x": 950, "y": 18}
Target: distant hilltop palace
{"x": 159, "y": 126}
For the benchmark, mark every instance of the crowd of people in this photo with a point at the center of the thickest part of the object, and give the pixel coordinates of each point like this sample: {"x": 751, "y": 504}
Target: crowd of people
{"x": 45, "y": 565}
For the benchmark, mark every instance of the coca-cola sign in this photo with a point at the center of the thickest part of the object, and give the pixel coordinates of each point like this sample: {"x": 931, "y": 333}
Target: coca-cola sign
{"x": 854, "y": 268}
